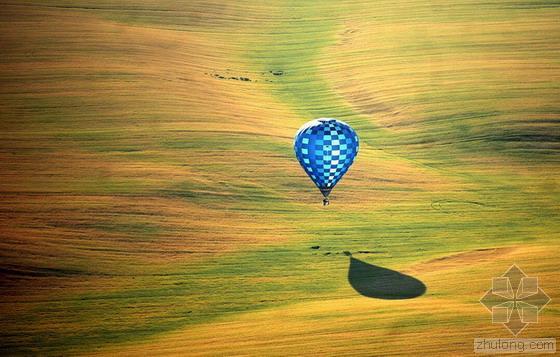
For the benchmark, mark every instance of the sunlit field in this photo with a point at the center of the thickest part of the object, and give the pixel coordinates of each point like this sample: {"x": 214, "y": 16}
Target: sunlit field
{"x": 151, "y": 202}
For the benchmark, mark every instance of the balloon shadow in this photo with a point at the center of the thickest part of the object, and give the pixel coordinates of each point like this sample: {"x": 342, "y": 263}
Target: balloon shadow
{"x": 382, "y": 283}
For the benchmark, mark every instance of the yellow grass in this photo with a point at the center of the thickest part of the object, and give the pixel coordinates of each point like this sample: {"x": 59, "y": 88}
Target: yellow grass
{"x": 150, "y": 201}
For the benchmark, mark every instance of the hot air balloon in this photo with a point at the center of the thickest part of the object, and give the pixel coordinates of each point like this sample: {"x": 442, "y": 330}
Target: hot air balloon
{"x": 326, "y": 149}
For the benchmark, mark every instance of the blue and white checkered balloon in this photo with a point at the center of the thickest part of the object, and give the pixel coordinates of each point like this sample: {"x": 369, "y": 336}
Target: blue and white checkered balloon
{"x": 326, "y": 148}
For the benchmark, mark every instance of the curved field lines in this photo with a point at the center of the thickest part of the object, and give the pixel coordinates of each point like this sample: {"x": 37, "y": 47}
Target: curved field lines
{"x": 151, "y": 203}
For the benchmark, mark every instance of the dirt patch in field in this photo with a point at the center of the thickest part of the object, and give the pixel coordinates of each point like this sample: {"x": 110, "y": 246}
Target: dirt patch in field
{"x": 461, "y": 259}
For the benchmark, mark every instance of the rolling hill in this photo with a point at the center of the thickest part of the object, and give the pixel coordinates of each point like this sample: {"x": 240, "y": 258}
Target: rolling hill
{"x": 151, "y": 202}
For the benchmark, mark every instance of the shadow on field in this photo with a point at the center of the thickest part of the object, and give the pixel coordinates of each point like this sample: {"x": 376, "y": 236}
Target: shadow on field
{"x": 381, "y": 283}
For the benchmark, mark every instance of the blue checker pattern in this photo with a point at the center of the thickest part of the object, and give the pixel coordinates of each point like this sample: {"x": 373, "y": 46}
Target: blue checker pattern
{"x": 326, "y": 149}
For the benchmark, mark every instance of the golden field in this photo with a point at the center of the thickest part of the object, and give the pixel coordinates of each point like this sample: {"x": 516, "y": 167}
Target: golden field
{"x": 151, "y": 202}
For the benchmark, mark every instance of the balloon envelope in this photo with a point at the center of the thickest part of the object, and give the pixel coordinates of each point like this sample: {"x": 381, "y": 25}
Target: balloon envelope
{"x": 326, "y": 148}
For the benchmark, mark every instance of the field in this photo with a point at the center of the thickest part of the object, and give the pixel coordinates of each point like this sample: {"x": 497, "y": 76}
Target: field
{"x": 151, "y": 203}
